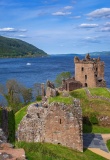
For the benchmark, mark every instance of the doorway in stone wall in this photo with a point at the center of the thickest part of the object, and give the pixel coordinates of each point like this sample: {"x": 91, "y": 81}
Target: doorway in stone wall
{"x": 86, "y": 85}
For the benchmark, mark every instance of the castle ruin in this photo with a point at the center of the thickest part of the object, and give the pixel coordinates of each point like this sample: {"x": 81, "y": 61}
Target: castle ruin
{"x": 89, "y": 72}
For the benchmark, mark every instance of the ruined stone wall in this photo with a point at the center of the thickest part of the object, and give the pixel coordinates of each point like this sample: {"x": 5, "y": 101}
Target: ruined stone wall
{"x": 90, "y": 72}
{"x": 57, "y": 124}
{"x": 71, "y": 84}
{"x": 100, "y": 67}
{"x": 84, "y": 72}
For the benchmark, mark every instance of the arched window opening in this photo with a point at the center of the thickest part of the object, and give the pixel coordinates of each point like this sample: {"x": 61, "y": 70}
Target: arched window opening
{"x": 85, "y": 76}
{"x": 86, "y": 85}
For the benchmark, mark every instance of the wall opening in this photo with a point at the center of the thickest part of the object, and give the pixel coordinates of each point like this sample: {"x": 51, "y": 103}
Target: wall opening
{"x": 82, "y": 69}
{"x": 96, "y": 69}
{"x": 86, "y": 85}
{"x": 60, "y": 121}
{"x": 85, "y": 76}
{"x": 100, "y": 80}
{"x": 38, "y": 115}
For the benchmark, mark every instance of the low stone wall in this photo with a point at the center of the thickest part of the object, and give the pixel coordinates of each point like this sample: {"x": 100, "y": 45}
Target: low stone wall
{"x": 57, "y": 124}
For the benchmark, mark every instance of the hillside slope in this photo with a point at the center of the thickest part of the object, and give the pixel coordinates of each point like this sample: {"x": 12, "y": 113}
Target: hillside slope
{"x": 10, "y": 47}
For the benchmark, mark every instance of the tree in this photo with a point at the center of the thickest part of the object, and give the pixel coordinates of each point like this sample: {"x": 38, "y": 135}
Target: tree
{"x": 26, "y": 94}
{"x": 61, "y": 76}
{"x": 15, "y": 94}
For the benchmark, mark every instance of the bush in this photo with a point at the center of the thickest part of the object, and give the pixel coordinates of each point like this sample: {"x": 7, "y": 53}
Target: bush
{"x": 39, "y": 98}
{"x": 93, "y": 118}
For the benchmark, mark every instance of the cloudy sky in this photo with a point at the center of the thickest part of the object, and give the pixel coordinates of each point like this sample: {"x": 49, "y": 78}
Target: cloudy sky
{"x": 58, "y": 26}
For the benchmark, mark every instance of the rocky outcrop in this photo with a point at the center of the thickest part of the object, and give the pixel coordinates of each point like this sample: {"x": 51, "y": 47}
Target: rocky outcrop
{"x": 57, "y": 123}
{"x": 51, "y": 91}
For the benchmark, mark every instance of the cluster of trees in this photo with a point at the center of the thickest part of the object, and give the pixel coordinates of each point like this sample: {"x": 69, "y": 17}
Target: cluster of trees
{"x": 17, "y": 95}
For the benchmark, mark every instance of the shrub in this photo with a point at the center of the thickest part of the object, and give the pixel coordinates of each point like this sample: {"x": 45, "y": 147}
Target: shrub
{"x": 93, "y": 118}
{"x": 39, "y": 98}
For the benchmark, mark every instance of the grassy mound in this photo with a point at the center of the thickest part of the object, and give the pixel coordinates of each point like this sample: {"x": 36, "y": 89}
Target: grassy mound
{"x": 19, "y": 115}
{"x": 93, "y": 108}
{"x": 46, "y": 151}
{"x": 100, "y": 92}
{"x": 92, "y": 105}
{"x": 60, "y": 99}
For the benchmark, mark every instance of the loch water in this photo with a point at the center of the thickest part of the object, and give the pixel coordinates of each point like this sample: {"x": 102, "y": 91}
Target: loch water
{"x": 29, "y": 71}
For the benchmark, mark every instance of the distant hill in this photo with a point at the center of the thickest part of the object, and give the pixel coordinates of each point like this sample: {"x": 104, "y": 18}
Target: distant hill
{"x": 10, "y": 47}
{"x": 100, "y": 53}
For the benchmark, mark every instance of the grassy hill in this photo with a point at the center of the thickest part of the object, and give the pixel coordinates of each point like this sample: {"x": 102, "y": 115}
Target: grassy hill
{"x": 46, "y": 151}
{"x": 10, "y": 47}
{"x": 92, "y": 109}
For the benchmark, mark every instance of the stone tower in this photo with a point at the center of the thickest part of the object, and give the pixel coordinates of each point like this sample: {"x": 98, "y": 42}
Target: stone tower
{"x": 90, "y": 71}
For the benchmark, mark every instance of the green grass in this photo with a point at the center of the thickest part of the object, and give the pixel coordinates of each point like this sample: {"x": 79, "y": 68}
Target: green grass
{"x": 89, "y": 106}
{"x": 93, "y": 108}
{"x": 46, "y": 151}
{"x": 65, "y": 100}
{"x": 100, "y": 92}
{"x": 95, "y": 129}
{"x": 108, "y": 144}
{"x": 19, "y": 115}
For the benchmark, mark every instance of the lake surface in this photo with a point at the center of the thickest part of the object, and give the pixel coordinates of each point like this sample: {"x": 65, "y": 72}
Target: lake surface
{"x": 29, "y": 71}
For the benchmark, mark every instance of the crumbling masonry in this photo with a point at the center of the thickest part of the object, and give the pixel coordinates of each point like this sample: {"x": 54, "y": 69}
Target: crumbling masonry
{"x": 55, "y": 123}
{"x": 89, "y": 72}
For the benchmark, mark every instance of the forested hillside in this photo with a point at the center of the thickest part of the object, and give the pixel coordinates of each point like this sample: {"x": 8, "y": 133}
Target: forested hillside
{"x": 10, "y": 47}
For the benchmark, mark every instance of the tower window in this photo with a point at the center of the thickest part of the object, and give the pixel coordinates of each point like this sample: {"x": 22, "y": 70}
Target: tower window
{"x": 85, "y": 76}
{"x": 96, "y": 69}
{"x": 82, "y": 69}
{"x": 60, "y": 121}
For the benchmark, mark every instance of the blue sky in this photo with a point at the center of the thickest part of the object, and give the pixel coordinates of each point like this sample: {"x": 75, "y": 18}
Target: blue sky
{"x": 58, "y": 26}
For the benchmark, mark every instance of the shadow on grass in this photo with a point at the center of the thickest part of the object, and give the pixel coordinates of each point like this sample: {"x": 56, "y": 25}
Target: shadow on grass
{"x": 87, "y": 125}
{"x": 87, "y": 129}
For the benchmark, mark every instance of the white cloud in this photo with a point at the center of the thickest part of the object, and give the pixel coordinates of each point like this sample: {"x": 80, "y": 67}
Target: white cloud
{"x": 92, "y": 39}
{"x": 68, "y": 7}
{"x": 8, "y": 29}
{"x": 61, "y": 13}
{"x": 107, "y": 24}
{"x": 22, "y": 36}
{"x": 76, "y": 17}
{"x": 84, "y": 25}
{"x": 105, "y": 29}
{"x": 100, "y": 13}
